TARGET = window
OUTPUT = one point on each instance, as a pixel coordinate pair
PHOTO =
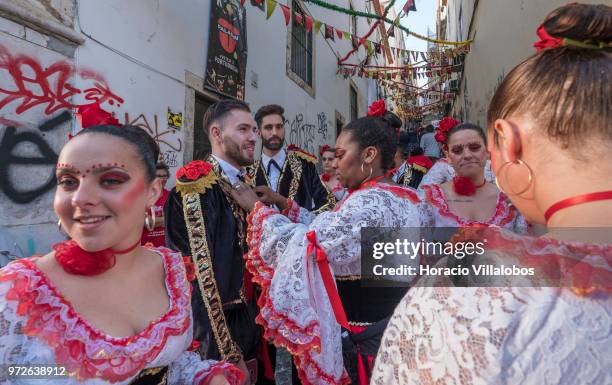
(301, 48)
(354, 108)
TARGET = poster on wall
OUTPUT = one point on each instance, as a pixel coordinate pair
(227, 48)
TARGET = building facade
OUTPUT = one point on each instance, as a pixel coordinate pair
(503, 33)
(145, 61)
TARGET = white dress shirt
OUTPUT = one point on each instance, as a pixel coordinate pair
(232, 172)
(275, 173)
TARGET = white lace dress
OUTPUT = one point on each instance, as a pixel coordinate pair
(503, 335)
(435, 212)
(39, 327)
(442, 171)
(295, 310)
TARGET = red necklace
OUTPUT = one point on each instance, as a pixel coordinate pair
(464, 186)
(75, 260)
(577, 200)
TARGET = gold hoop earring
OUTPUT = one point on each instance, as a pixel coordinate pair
(150, 219)
(530, 178)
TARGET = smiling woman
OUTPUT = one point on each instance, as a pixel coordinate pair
(102, 306)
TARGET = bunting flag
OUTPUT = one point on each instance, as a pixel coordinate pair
(378, 48)
(339, 33)
(347, 36)
(317, 26)
(270, 7)
(308, 23)
(391, 31)
(258, 3)
(298, 18)
(287, 13)
(329, 32)
(423, 56)
(415, 55)
(409, 6)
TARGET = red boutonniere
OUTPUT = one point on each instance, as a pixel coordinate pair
(194, 170)
(326, 177)
(377, 108)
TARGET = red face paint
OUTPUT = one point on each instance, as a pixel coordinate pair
(135, 192)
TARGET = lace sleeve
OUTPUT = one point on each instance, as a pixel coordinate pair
(188, 368)
(295, 309)
(438, 174)
(521, 226)
(426, 214)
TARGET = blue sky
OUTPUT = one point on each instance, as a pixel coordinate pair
(418, 22)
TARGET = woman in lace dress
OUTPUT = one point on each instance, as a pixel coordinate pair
(467, 198)
(541, 118)
(101, 307)
(291, 251)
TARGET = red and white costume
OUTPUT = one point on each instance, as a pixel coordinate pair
(39, 326)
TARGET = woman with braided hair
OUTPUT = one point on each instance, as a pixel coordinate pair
(304, 306)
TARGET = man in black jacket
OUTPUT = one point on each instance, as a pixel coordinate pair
(203, 221)
(292, 172)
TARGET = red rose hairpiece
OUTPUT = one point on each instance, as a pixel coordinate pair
(377, 108)
(445, 126)
(546, 41)
(92, 115)
(324, 148)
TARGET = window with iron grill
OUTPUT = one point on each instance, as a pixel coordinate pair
(301, 48)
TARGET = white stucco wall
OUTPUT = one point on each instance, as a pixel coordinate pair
(140, 53)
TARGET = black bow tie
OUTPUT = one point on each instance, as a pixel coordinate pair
(271, 163)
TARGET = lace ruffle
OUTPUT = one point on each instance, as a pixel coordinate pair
(504, 211)
(80, 347)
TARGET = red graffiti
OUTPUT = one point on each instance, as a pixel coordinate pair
(32, 85)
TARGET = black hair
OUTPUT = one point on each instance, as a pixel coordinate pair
(162, 166)
(270, 109)
(138, 138)
(429, 128)
(467, 126)
(219, 111)
(417, 151)
(379, 132)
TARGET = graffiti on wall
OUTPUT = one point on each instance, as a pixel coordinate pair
(308, 136)
(27, 84)
(32, 85)
(9, 157)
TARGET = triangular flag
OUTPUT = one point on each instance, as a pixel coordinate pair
(339, 33)
(409, 6)
(286, 12)
(270, 7)
(378, 47)
(370, 47)
(308, 23)
(423, 56)
(317, 26)
(347, 36)
(298, 19)
(329, 32)
(415, 56)
(391, 32)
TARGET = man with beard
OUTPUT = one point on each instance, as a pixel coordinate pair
(203, 221)
(291, 173)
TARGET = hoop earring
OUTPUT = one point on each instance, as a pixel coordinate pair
(150, 219)
(530, 178)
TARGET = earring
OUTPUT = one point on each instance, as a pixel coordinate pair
(150, 219)
(529, 178)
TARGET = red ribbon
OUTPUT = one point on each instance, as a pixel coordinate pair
(328, 279)
(577, 200)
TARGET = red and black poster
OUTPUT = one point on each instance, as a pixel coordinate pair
(227, 48)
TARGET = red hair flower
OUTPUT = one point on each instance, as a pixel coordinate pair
(324, 148)
(445, 126)
(194, 170)
(92, 115)
(546, 41)
(377, 108)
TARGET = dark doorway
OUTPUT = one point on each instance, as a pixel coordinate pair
(201, 144)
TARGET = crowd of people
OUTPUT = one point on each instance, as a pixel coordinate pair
(201, 284)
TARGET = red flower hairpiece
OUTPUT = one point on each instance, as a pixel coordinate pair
(324, 148)
(92, 115)
(546, 40)
(377, 108)
(445, 126)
